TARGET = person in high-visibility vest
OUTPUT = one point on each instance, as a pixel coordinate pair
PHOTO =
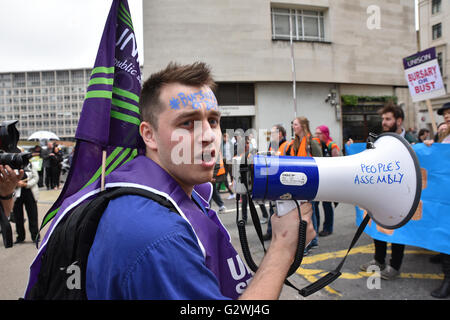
(329, 149)
(278, 138)
(219, 174)
(303, 145)
(229, 151)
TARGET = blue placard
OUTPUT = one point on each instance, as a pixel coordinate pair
(430, 226)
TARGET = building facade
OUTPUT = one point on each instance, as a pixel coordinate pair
(434, 31)
(44, 100)
(348, 57)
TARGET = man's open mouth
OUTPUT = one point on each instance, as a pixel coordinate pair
(208, 156)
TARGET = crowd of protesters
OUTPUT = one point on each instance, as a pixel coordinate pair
(320, 144)
(45, 171)
(49, 163)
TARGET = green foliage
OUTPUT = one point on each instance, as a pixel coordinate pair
(352, 100)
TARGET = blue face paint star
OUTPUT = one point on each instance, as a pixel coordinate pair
(174, 104)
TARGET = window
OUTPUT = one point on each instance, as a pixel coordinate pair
(436, 6)
(33, 79)
(5, 80)
(440, 62)
(235, 94)
(48, 78)
(306, 24)
(63, 77)
(437, 31)
(78, 76)
(18, 80)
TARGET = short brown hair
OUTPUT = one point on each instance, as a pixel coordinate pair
(197, 74)
(391, 107)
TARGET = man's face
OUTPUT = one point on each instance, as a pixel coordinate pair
(389, 123)
(275, 135)
(187, 141)
(446, 115)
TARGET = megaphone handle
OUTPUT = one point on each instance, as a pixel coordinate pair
(300, 248)
(244, 244)
(243, 234)
(333, 275)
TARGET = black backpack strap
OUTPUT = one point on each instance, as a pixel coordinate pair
(71, 243)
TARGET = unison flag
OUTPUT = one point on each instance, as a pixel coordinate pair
(429, 228)
(110, 116)
(109, 120)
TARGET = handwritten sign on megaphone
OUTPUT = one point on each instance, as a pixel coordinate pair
(385, 180)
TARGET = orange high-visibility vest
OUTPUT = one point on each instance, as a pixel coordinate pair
(333, 145)
(221, 168)
(330, 145)
(282, 149)
(302, 150)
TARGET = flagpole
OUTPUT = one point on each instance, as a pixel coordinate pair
(102, 186)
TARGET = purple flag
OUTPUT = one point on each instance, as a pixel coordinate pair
(109, 120)
(110, 116)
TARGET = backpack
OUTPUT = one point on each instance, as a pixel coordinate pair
(69, 245)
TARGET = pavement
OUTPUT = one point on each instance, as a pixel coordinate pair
(417, 279)
(15, 261)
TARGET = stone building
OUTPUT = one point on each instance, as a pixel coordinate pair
(434, 31)
(348, 57)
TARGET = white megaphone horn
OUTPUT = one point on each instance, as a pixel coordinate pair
(385, 179)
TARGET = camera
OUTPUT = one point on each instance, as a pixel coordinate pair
(9, 153)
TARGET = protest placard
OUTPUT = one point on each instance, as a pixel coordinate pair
(423, 75)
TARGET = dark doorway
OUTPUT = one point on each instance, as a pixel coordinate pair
(358, 121)
(234, 123)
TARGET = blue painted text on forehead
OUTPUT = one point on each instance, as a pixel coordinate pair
(197, 100)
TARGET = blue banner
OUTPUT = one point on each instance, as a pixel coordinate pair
(430, 226)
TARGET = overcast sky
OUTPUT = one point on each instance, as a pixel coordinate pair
(56, 34)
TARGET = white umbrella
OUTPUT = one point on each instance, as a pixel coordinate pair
(43, 135)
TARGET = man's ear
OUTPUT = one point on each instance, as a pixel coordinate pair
(148, 135)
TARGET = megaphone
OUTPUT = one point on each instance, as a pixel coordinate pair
(385, 179)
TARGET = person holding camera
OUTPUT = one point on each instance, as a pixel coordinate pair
(8, 183)
(29, 193)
